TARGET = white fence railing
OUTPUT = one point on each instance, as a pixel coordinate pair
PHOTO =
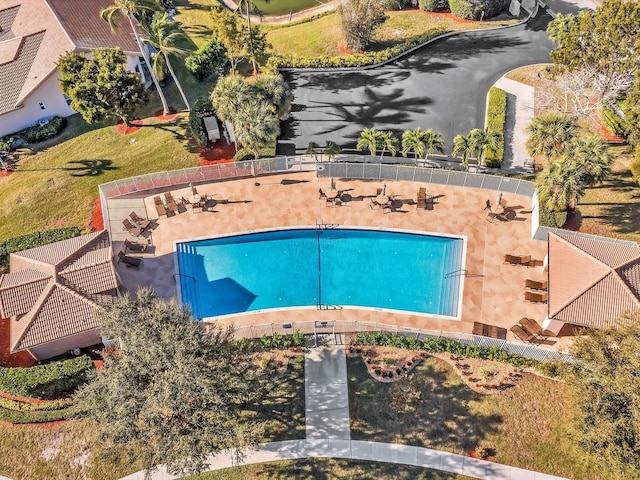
(344, 326)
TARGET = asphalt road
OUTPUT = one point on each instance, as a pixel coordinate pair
(442, 86)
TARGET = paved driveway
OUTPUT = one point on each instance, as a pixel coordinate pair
(441, 86)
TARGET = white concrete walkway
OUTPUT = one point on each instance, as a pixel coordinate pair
(326, 392)
(518, 117)
(372, 451)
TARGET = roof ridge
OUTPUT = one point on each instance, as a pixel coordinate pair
(88, 242)
(29, 317)
(15, 285)
(86, 265)
(62, 25)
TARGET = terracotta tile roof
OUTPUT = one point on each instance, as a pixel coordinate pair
(34, 34)
(82, 22)
(19, 299)
(48, 307)
(63, 313)
(585, 287)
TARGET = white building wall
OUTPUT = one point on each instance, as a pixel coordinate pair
(58, 347)
(49, 95)
(52, 99)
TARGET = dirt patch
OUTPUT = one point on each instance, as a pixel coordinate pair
(273, 364)
(219, 152)
(124, 129)
(97, 222)
(168, 117)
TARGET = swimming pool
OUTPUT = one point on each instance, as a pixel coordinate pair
(309, 267)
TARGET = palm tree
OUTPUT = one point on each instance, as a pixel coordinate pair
(433, 141)
(163, 35)
(256, 126)
(561, 184)
(114, 14)
(273, 88)
(463, 144)
(549, 134)
(313, 149)
(484, 141)
(229, 96)
(248, 6)
(413, 140)
(369, 138)
(592, 152)
(388, 142)
(332, 149)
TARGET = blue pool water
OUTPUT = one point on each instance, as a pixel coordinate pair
(308, 267)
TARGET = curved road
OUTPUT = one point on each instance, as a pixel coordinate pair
(441, 86)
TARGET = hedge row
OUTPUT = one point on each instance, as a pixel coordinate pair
(14, 416)
(31, 240)
(49, 405)
(46, 381)
(276, 340)
(496, 113)
(38, 133)
(436, 345)
(201, 108)
(612, 121)
(355, 60)
(476, 10)
(635, 166)
(246, 154)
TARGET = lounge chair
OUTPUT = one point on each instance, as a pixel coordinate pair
(536, 297)
(519, 332)
(135, 247)
(497, 332)
(480, 329)
(421, 204)
(535, 263)
(536, 284)
(160, 208)
(141, 222)
(135, 231)
(129, 261)
(517, 259)
(171, 203)
(531, 326)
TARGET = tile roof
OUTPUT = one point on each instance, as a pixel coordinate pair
(46, 307)
(82, 22)
(592, 281)
(34, 34)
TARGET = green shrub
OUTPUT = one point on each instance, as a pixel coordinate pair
(635, 166)
(612, 121)
(551, 219)
(46, 381)
(42, 416)
(393, 4)
(49, 405)
(355, 60)
(201, 108)
(436, 345)
(433, 5)
(276, 340)
(554, 368)
(38, 133)
(473, 9)
(496, 113)
(205, 61)
(31, 240)
(245, 154)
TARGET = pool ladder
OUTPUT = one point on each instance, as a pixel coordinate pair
(322, 306)
(462, 273)
(320, 225)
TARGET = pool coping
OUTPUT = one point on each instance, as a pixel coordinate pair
(458, 317)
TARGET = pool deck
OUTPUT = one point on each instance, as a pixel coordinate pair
(493, 290)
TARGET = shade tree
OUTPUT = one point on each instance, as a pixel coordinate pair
(359, 20)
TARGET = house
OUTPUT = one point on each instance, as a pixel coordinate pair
(52, 294)
(34, 34)
(592, 281)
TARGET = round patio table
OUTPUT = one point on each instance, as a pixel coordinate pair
(382, 199)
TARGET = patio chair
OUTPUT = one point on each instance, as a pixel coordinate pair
(322, 194)
(133, 230)
(480, 329)
(517, 259)
(520, 334)
(135, 247)
(160, 208)
(129, 261)
(373, 204)
(535, 263)
(536, 297)
(388, 207)
(497, 332)
(531, 326)
(141, 222)
(171, 203)
(536, 284)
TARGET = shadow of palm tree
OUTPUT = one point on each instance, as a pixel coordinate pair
(90, 168)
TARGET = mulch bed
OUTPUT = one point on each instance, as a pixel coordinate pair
(219, 152)
(344, 50)
(97, 222)
(611, 137)
(5, 173)
(7, 359)
(123, 129)
(166, 118)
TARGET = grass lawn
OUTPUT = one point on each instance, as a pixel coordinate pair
(284, 7)
(326, 468)
(323, 35)
(63, 451)
(527, 426)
